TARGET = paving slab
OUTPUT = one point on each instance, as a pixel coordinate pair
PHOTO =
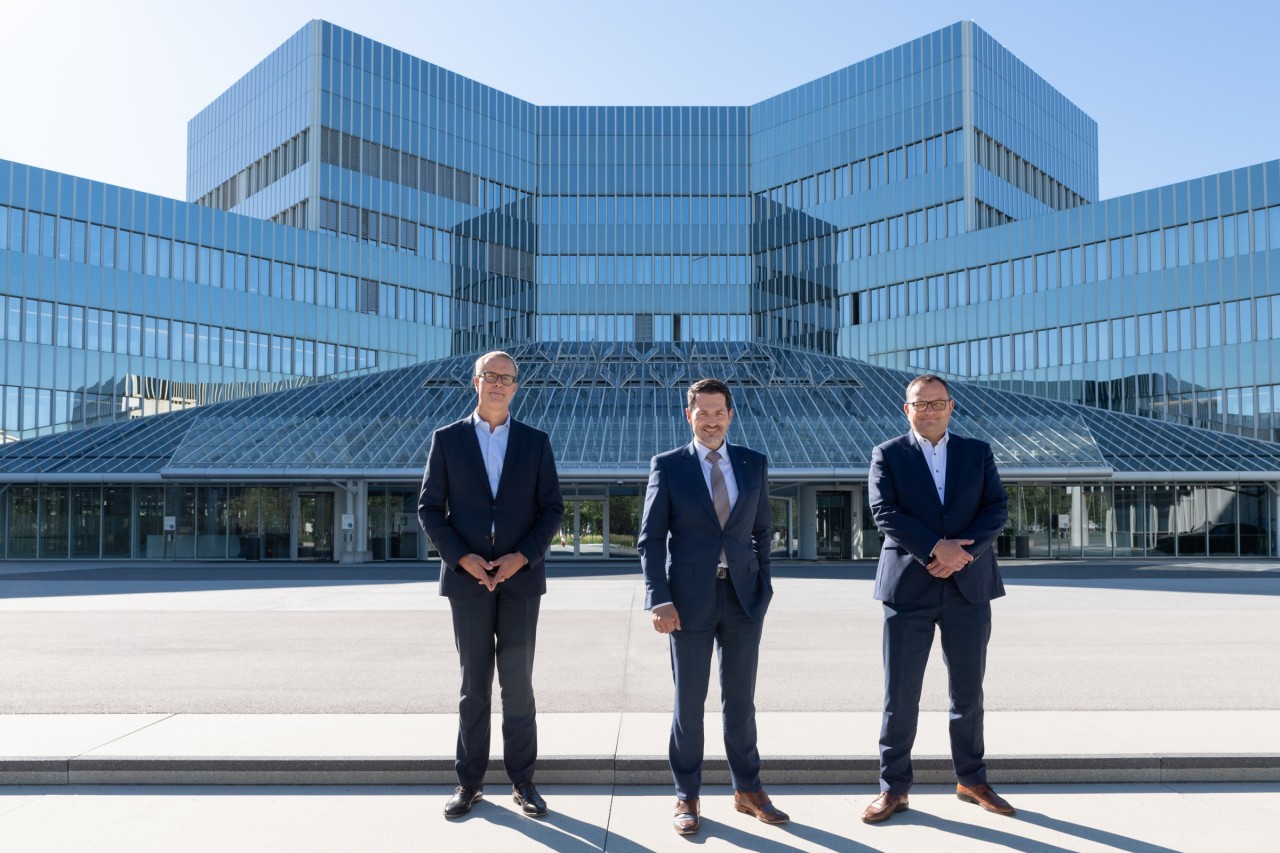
(1050, 819)
(67, 735)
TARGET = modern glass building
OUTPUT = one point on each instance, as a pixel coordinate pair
(354, 211)
(273, 475)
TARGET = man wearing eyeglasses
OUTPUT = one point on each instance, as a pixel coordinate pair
(938, 500)
(490, 502)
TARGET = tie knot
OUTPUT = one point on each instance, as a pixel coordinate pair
(713, 457)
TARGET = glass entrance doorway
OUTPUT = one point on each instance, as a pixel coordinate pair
(599, 523)
(315, 526)
(582, 532)
(835, 526)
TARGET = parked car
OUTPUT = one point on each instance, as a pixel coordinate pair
(1221, 539)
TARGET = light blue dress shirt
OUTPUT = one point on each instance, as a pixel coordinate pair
(493, 447)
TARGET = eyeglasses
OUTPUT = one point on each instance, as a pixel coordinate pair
(924, 405)
(497, 378)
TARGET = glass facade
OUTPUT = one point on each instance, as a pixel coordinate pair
(273, 476)
(116, 304)
(353, 210)
(1164, 304)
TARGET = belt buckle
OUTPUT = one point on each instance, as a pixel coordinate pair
(722, 572)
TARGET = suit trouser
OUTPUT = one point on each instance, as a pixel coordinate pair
(737, 636)
(908, 636)
(503, 629)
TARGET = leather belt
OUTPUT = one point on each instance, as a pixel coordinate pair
(722, 572)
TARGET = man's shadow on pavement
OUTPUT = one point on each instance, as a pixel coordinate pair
(1089, 833)
(565, 834)
(739, 839)
(557, 831)
(1013, 841)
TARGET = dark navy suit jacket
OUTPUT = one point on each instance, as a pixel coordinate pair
(681, 540)
(458, 510)
(906, 509)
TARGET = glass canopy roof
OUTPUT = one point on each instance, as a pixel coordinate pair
(609, 407)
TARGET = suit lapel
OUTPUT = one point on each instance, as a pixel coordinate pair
(741, 475)
(475, 457)
(954, 450)
(514, 438)
(697, 483)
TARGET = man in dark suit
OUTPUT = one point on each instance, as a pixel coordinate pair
(938, 500)
(704, 548)
(491, 502)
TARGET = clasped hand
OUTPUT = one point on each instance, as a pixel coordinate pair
(949, 557)
(490, 573)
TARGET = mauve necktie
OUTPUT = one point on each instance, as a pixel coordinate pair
(719, 491)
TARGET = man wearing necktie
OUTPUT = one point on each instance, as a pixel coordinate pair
(704, 549)
(938, 500)
(490, 503)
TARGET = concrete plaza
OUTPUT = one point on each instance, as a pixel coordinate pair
(1133, 706)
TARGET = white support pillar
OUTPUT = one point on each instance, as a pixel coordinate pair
(1079, 518)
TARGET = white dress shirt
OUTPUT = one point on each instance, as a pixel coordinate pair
(935, 456)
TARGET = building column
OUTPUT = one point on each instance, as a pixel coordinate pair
(357, 505)
(604, 524)
(295, 519)
(1275, 529)
(1079, 518)
(808, 520)
(857, 495)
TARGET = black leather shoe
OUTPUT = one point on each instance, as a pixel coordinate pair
(528, 799)
(464, 797)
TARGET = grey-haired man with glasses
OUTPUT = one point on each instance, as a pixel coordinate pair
(938, 500)
(490, 503)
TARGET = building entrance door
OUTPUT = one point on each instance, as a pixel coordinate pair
(583, 530)
(835, 527)
(315, 526)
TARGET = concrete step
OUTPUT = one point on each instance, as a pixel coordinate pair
(800, 748)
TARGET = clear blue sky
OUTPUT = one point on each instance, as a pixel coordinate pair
(104, 89)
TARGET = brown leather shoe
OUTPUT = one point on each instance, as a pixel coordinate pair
(884, 807)
(686, 820)
(985, 797)
(757, 803)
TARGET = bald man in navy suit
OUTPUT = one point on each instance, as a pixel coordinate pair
(704, 547)
(938, 500)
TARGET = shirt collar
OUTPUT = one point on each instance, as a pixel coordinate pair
(703, 450)
(477, 421)
(923, 442)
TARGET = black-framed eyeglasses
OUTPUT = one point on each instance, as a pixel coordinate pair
(924, 405)
(497, 378)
